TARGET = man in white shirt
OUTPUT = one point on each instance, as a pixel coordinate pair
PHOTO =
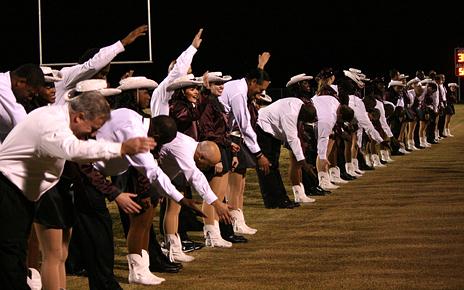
(180, 155)
(278, 123)
(32, 158)
(235, 98)
(16, 88)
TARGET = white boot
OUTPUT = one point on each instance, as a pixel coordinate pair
(356, 166)
(324, 181)
(174, 245)
(139, 272)
(368, 159)
(300, 195)
(403, 149)
(389, 158)
(448, 133)
(35, 281)
(213, 237)
(349, 167)
(424, 143)
(239, 225)
(376, 161)
(334, 173)
(411, 145)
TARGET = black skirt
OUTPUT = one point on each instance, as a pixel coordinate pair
(55, 209)
(245, 157)
(226, 159)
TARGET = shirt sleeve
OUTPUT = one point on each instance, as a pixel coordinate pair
(159, 103)
(365, 123)
(290, 129)
(383, 120)
(74, 74)
(15, 111)
(323, 132)
(242, 117)
(195, 177)
(99, 181)
(64, 144)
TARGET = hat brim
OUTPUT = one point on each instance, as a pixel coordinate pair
(138, 84)
(216, 79)
(183, 84)
(299, 79)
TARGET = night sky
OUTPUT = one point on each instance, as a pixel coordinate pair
(302, 38)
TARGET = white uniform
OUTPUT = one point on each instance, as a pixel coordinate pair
(235, 98)
(280, 119)
(326, 107)
(177, 157)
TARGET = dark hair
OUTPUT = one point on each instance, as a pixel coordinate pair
(32, 73)
(163, 128)
(346, 113)
(307, 113)
(259, 74)
(93, 104)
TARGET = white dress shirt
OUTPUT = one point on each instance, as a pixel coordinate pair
(11, 112)
(383, 119)
(74, 74)
(125, 124)
(177, 157)
(159, 103)
(33, 154)
(364, 122)
(326, 108)
(280, 120)
(234, 98)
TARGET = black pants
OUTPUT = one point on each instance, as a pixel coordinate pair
(92, 239)
(271, 185)
(16, 216)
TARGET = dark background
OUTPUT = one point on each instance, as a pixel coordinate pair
(373, 37)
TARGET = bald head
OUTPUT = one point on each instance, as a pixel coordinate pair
(207, 154)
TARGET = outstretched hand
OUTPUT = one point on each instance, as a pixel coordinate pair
(133, 35)
(263, 59)
(197, 40)
(137, 145)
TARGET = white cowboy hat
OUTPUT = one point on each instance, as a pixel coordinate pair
(354, 76)
(298, 78)
(218, 77)
(184, 81)
(413, 81)
(355, 70)
(453, 85)
(265, 97)
(132, 83)
(403, 76)
(96, 85)
(426, 81)
(395, 83)
(51, 75)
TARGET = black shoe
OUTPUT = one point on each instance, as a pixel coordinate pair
(318, 191)
(367, 167)
(397, 153)
(346, 176)
(189, 246)
(286, 204)
(79, 272)
(235, 239)
(161, 265)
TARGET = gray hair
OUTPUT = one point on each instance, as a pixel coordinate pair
(93, 104)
